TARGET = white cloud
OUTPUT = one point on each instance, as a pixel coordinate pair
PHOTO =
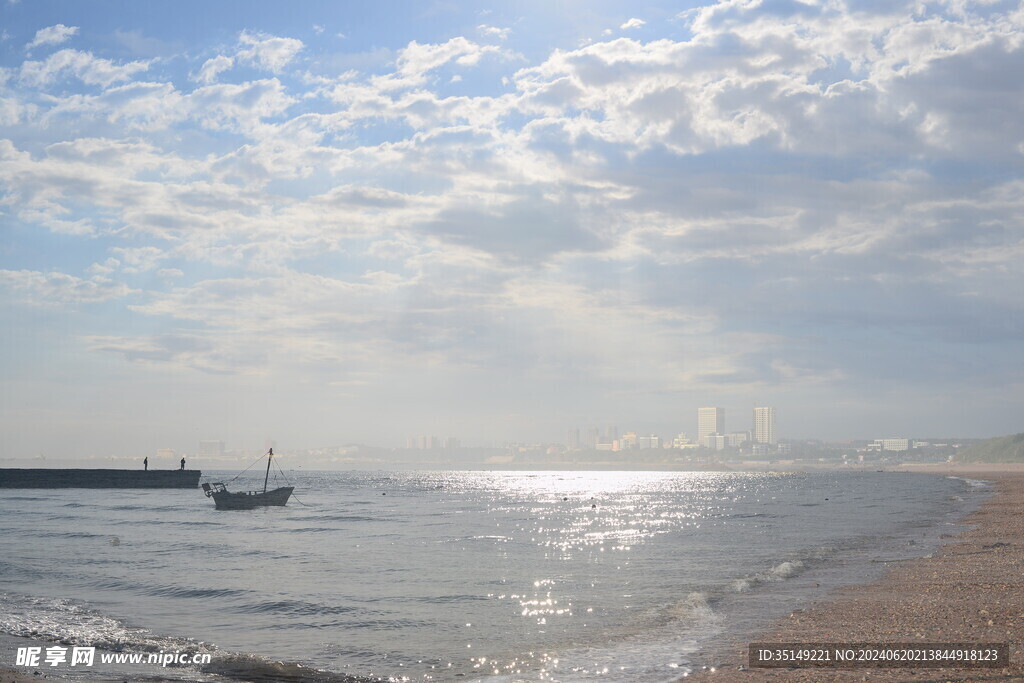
(791, 82)
(143, 106)
(239, 106)
(54, 288)
(10, 111)
(103, 269)
(139, 259)
(82, 65)
(633, 23)
(51, 216)
(185, 350)
(268, 52)
(138, 105)
(500, 33)
(212, 67)
(415, 61)
(170, 273)
(52, 35)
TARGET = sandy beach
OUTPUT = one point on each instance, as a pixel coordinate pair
(970, 591)
(22, 675)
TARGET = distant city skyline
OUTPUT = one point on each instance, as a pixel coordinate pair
(360, 223)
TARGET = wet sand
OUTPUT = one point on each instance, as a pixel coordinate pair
(22, 675)
(970, 591)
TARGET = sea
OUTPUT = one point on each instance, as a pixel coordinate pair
(445, 576)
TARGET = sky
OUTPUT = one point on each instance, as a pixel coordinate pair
(330, 223)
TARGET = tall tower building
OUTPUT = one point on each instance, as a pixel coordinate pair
(709, 421)
(764, 425)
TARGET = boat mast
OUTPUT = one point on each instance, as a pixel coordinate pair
(269, 456)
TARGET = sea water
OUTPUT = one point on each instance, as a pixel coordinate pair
(565, 576)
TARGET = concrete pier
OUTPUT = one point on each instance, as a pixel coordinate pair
(98, 479)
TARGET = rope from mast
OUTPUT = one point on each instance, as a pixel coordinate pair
(250, 466)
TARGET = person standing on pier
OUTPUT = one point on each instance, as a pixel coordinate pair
(145, 463)
(183, 463)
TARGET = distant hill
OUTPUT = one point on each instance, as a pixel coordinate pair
(1000, 449)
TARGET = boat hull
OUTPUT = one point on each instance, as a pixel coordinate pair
(225, 500)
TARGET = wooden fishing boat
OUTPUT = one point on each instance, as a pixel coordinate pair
(248, 500)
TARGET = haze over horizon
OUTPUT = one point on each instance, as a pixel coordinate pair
(357, 223)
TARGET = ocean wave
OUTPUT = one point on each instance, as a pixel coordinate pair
(164, 590)
(295, 607)
(786, 570)
(244, 667)
(973, 483)
(342, 518)
(62, 621)
(68, 534)
(779, 572)
(694, 607)
(171, 522)
(449, 599)
(186, 592)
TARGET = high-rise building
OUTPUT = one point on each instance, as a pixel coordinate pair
(574, 438)
(611, 433)
(648, 442)
(427, 442)
(709, 421)
(764, 425)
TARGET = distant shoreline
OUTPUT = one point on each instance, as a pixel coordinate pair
(970, 591)
(978, 468)
(600, 466)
